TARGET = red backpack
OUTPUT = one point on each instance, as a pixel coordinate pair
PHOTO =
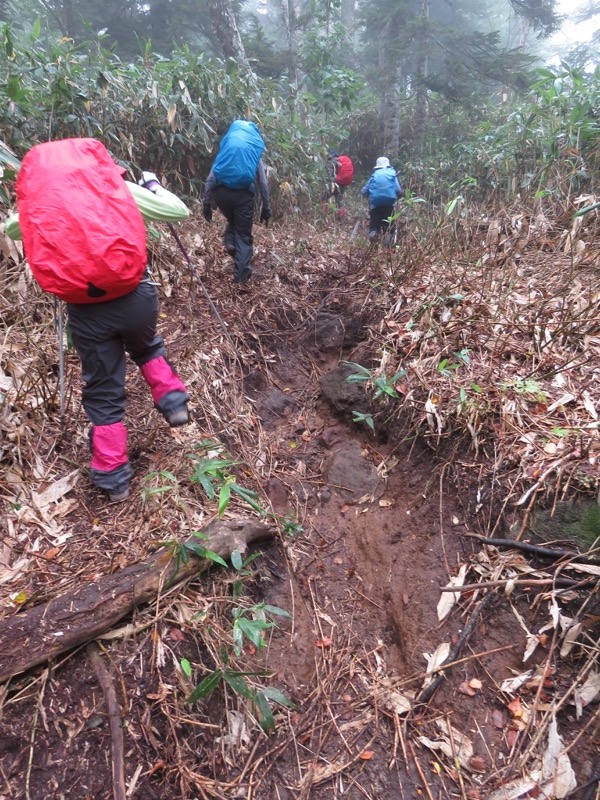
(84, 236)
(345, 171)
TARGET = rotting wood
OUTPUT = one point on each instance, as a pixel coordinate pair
(43, 632)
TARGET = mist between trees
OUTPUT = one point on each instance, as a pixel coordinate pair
(456, 95)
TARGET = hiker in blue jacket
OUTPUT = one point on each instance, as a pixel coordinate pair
(383, 189)
(231, 187)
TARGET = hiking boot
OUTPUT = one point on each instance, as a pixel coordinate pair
(119, 494)
(178, 416)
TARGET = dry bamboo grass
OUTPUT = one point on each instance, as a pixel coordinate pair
(501, 343)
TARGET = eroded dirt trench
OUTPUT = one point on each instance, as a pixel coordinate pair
(381, 533)
(362, 581)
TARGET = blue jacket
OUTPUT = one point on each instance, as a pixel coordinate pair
(383, 187)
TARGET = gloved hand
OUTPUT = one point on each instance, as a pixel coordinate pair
(149, 181)
(265, 215)
(207, 212)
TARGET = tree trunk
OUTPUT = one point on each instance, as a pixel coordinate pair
(391, 88)
(227, 33)
(421, 71)
(348, 16)
(45, 631)
(291, 30)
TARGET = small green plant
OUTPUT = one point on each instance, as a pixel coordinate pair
(260, 697)
(249, 624)
(410, 199)
(151, 490)
(252, 624)
(290, 526)
(457, 202)
(448, 368)
(181, 551)
(527, 386)
(562, 433)
(382, 384)
(358, 416)
(240, 565)
(212, 471)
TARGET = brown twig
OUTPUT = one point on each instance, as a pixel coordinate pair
(420, 771)
(430, 690)
(114, 719)
(471, 587)
(527, 547)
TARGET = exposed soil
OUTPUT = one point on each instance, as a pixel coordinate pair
(382, 532)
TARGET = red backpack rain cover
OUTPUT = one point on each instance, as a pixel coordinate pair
(84, 236)
(345, 171)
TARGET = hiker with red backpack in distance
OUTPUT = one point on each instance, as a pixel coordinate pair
(342, 173)
(84, 236)
(383, 189)
(231, 186)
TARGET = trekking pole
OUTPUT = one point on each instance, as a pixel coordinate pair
(194, 272)
(58, 318)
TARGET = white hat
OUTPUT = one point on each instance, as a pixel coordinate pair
(382, 162)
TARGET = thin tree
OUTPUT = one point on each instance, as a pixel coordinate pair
(227, 33)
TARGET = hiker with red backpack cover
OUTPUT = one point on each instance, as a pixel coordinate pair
(84, 236)
(342, 173)
(231, 185)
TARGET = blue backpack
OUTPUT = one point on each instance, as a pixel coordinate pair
(382, 187)
(239, 153)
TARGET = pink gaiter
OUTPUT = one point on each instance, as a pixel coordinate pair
(161, 378)
(109, 446)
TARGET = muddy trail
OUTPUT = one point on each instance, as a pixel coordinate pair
(368, 529)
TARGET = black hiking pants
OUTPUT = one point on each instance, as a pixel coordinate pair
(378, 220)
(102, 332)
(237, 206)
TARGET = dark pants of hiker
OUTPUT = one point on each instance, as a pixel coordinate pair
(102, 334)
(339, 193)
(378, 220)
(237, 206)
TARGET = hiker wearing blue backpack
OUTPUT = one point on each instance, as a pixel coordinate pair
(383, 189)
(231, 186)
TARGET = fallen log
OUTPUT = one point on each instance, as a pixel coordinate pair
(43, 632)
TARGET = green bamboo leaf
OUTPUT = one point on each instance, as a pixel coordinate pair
(186, 667)
(249, 496)
(266, 720)
(359, 368)
(204, 481)
(202, 552)
(278, 611)
(274, 694)
(238, 684)
(224, 498)
(253, 630)
(206, 686)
